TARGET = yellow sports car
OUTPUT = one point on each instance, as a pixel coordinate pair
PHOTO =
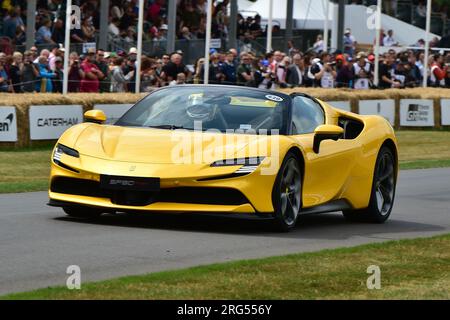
(227, 149)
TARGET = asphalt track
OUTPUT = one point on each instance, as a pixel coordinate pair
(38, 243)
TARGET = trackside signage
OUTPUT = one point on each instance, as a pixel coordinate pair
(49, 122)
(384, 108)
(113, 111)
(445, 112)
(416, 113)
(8, 124)
(343, 105)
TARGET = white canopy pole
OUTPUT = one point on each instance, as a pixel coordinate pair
(427, 45)
(207, 42)
(325, 25)
(140, 28)
(269, 27)
(376, 79)
(67, 46)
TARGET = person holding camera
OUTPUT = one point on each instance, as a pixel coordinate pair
(324, 71)
(30, 72)
(75, 73)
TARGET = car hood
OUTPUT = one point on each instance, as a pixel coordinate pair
(148, 145)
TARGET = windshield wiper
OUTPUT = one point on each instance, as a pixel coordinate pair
(167, 126)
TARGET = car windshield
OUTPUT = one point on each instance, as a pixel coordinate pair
(206, 108)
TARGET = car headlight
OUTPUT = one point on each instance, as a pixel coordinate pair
(248, 165)
(62, 149)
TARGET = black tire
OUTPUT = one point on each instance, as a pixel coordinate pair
(287, 194)
(82, 212)
(383, 191)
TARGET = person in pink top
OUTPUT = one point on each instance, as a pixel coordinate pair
(93, 75)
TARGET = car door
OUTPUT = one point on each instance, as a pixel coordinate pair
(327, 172)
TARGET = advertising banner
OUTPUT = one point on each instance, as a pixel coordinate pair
(445, 112)
(8, 124)
(416, 113)
(49, 122)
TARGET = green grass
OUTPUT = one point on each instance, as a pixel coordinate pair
(410, 269)
(27, 169)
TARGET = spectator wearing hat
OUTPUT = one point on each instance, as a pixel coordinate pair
(162, 33)
(59, 75)
(344, 76)
(92, 74)
(361, 70)
(349, 42)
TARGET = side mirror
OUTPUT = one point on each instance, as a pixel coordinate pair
(326, 132)
(96, 116)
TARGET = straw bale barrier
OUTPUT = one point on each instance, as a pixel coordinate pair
(22, 102)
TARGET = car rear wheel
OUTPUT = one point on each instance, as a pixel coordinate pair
(383, 191)
(82, 212)
(287, 193)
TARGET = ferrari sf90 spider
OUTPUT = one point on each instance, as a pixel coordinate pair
(226, 149)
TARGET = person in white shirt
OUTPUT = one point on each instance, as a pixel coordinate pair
(389, 40)
(318, 45)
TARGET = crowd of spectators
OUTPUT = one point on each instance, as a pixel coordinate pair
(122, 21)
(98, 70)
(101, 71)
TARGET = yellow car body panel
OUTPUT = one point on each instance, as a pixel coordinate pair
(343, 169)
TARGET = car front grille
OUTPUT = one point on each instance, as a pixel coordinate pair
(192, 195)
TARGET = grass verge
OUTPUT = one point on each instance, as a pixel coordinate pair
(26, 170)
(410, 269)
